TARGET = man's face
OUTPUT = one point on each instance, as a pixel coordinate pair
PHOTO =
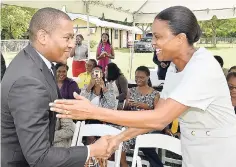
(60, 41)
(78, 40)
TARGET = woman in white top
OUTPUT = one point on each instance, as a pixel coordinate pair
(195, 90)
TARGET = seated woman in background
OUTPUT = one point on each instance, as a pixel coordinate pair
(64, 128)
(98, 93)
(144, 97)
(66, 85)
(231, 79)
(84, 78)
(114, 75)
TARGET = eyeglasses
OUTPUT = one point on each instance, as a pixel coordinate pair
(232, 87)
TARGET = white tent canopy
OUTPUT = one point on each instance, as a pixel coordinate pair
(138, 11)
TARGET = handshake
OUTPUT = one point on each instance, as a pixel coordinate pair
(104, 147)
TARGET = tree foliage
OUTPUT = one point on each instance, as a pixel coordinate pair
(15, 21)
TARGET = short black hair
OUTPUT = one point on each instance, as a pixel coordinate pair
(181, 20)
(220, 60)
(113, 72)
(232, 68)
(61, 64)
(230, 75)
(46, 19)
(94, 62)
(146, 71)
(81, 36)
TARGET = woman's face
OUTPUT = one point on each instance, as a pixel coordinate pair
(232, 86)
(89, 66)
(104, 38)
(164, 42)
(141, 78)
(61, 73)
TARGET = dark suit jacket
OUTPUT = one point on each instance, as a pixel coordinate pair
(161, 71)
(27, 124)
(3, 66)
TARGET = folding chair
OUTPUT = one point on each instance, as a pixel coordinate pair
(100, 130)
(76, 133)
(158, 141)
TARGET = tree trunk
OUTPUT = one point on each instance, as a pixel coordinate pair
(214, 38)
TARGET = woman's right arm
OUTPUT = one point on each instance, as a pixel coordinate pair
(98, 56)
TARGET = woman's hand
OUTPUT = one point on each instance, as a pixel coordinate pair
(139, 105)
(103, 54)
(100, 82)
(79, 109)
(91, 84)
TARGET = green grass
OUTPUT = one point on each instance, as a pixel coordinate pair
(122, 59)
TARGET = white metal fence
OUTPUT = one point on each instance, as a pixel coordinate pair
(17, 45)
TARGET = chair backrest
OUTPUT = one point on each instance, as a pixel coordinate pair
(96, 130)
(157, 141)
(76, 133)
(100, 130)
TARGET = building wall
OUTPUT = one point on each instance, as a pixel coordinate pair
(118, 38)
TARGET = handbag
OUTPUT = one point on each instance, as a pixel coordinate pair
(96, 162)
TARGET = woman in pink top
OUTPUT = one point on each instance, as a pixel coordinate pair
(105, 51)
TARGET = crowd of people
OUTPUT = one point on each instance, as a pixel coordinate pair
(33, 136)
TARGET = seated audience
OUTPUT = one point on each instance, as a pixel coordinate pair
(144, 97)
(231, 79)
(97, 91)
(64, 128)
(114, 75)
(84, 78)
(232, 69)
(221, 62)
(64, 131)
(66, 85)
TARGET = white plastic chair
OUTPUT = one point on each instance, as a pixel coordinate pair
(101, 130)
(157, 141)
(76, 133)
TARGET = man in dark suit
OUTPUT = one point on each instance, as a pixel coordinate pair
(3, 66)
(28, 86)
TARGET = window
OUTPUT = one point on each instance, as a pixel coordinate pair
(116, 34)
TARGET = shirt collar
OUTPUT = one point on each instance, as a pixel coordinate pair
(46, 61)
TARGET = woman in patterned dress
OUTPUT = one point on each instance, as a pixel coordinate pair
(144, 97)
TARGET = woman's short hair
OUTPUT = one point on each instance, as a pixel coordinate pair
(81, 36)
(230, 75)
(61, 64)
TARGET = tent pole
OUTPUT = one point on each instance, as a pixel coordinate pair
(88, 29)
(132, 51)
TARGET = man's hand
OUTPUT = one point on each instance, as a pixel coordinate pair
(99, 148)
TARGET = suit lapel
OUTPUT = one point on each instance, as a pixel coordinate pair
(43, 67)
(50, 80)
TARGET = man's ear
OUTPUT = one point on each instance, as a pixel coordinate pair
(41, 36)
